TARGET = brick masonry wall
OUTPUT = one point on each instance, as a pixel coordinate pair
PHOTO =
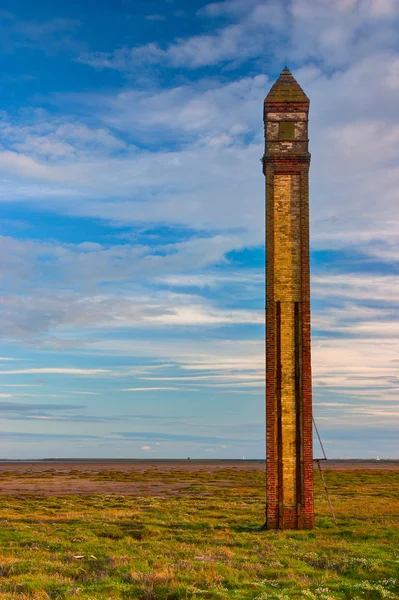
(289, 465)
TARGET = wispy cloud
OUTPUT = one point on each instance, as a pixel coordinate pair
(174, 437)
(54, 371)
(152, 389)
(25, 436)
(51, 36)
(334, 33)
(22, 407)
(371, 287)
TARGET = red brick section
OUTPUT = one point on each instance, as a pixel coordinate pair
(286, 96)
(308, 503)
(271, 416)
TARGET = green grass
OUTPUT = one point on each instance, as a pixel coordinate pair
(202, 542)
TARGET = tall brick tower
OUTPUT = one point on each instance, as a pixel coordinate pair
(289, 460)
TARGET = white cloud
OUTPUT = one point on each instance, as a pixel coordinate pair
(196, 315)
(26, 167)
(358, 287)
(250, 36)
(153, 389)
(58, 140)
(54, 370)
(228, 8)
(242, 278)
(87, 269)
(194, 52)
(95, 263)
(335, 33)
(190, 186)
(205, 109)
(58, 314)
(230, 376)
(52, 36)
(85, 393)
(198, 178)
(206, 354)
(355, 362)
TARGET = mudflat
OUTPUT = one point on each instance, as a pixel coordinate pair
(126, 477)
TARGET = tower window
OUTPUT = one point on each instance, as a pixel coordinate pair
(286, 130)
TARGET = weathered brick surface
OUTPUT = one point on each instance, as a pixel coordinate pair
(289, 463)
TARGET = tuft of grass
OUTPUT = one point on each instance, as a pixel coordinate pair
(203, 541)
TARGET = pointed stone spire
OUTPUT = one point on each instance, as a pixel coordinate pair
(286, 89)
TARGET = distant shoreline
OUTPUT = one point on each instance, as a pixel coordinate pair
(194, 460)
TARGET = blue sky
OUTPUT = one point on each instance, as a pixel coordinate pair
(132, 223)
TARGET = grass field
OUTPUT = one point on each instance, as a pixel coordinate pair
(201, 542)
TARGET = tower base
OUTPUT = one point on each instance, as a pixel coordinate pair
(289, 517)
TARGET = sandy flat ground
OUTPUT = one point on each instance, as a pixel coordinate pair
(63, 477)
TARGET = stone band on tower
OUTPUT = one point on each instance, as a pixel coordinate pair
(289, 451)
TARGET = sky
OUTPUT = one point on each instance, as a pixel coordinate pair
(132, 224)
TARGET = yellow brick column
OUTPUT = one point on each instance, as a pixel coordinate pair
(287, 291)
